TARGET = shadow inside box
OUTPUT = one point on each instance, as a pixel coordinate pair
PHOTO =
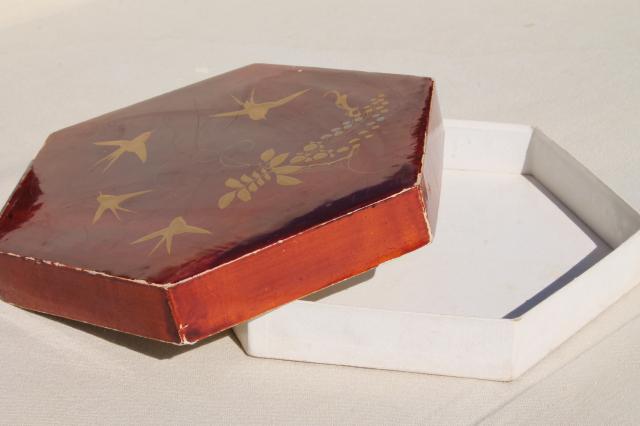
(546, 290)
(152, 348)
(600, 251)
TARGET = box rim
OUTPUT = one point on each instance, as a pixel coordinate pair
(633, 239)
(519, 328)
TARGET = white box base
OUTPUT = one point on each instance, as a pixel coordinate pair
(530, 246)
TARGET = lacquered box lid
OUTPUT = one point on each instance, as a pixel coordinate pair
(185, 214)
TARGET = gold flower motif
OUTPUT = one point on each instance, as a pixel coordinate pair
(318, 153)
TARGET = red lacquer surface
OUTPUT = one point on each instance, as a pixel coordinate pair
(209, 175)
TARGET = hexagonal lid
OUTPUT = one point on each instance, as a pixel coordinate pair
(228, 197)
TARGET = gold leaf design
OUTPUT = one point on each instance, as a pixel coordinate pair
(267, 155)
(226, 199)
(286, 170)
(244, 195)
(234, 183)
(258, 178)
(273, 165)
(320, 156)
(279, 159)
(321, 152)
(287, 180)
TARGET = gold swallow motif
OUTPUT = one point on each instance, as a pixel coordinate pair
(342, 103)
(112, 203)
(258, 111)
(340, 144)
(177, 226)
(136, 146)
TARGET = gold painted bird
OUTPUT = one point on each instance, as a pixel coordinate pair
(112, 202)
(177, 226)
(136, 146)
(258, 111)
(342, 103)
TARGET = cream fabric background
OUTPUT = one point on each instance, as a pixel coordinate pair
(569, 67)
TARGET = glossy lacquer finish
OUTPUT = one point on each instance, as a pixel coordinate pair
(169, 188)
(192, 184)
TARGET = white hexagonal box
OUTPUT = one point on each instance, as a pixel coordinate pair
(530, 247)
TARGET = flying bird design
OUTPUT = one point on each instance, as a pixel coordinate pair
(112, 202)
(258, 111)
(136, 146)
(177, 226)
(342, 103)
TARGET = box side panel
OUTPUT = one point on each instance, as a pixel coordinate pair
(300, 265)
(486, 147)
(579, 189)
(552, 322)
(433, 162)
(78, 295)
(404, 341)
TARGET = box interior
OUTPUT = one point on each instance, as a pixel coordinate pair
(494, 255)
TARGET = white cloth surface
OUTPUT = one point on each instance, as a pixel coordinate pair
(569, 67)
